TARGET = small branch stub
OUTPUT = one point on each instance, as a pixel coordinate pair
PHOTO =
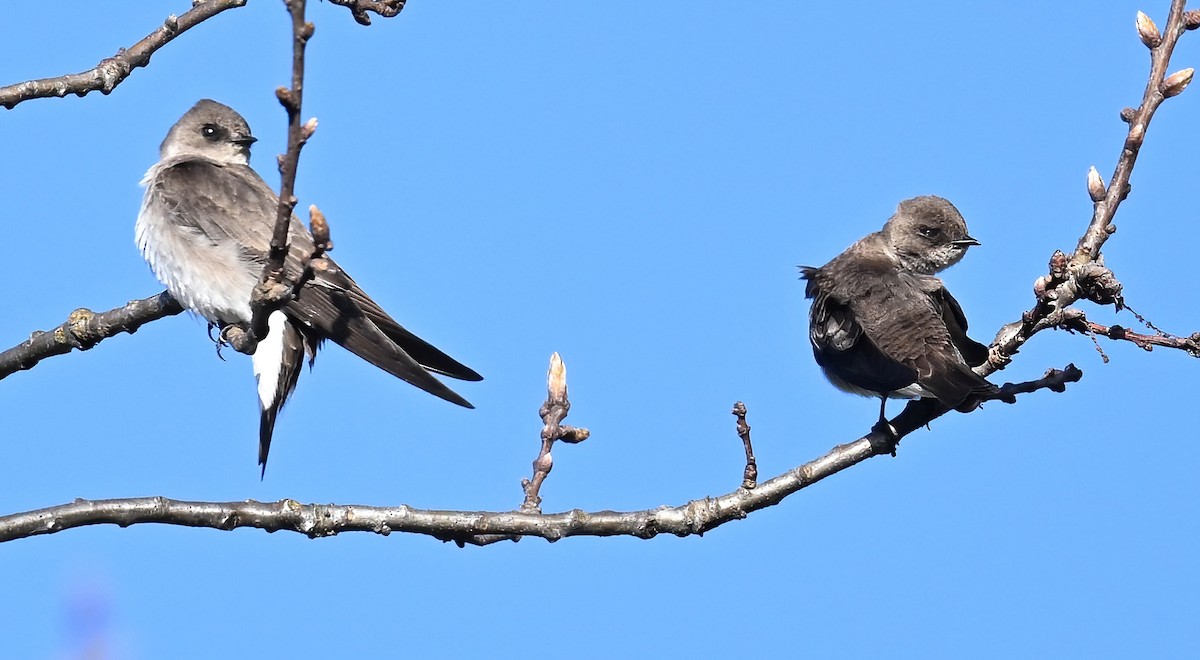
(750, 473)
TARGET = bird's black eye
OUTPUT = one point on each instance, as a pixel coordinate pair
(212, 132)
(928, 232)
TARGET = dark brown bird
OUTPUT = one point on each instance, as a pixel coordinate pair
(882, 325)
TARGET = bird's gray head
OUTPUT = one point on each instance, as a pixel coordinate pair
(928, 234)
(210, 130)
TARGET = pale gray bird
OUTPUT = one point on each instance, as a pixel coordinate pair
(882, 325)
(205, 229)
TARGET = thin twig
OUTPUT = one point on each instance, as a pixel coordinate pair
(359, 8)
(1191, 343)
(1054, 380)
(273, 290)
(84, 329)
(750, 473)
(112, 71)
(552, 412)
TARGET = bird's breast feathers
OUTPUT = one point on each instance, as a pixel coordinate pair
(212, 277)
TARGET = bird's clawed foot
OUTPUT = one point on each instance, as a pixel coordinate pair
(883, 438)
(238, 336)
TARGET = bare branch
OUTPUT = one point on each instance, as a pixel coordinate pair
(313, 520)
(1076, 321)
(112, 71)
(84, 329)
(359, 8)
(1083, 275)
(483, 527)
(1160, 58)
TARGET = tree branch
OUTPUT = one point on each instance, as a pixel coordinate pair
(1083, 275)
(112, 71)
(273, 288)
(479, 527)
(84, 329)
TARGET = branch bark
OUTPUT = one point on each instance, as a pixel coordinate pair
(113, 71)
(84, 329)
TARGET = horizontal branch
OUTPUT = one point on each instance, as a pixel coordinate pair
(318, 520)
(84, 329)
(112, 71)
(478, 527)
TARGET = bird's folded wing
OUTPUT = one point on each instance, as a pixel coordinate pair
(228, 202)
(973, 352)
(907, 323)
(840, 345)
(337, 316)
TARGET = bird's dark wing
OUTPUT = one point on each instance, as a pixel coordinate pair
(426, 354)
(903, 314)
(972, 351)
(230, 201)
(841, 347)
(330, 303)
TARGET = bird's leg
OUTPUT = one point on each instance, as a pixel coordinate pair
(883, 436)
(239, 336)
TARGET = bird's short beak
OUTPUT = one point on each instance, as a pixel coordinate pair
(964, 242)
(244, 140)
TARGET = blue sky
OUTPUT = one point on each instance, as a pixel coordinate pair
(631, 185)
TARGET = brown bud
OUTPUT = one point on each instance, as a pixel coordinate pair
(1177, 82)
(1148, 31)
(556, 379)
(319, 228)
(1058, 265)
(1095, 185)
(544, 463)
(1191, 19)
(1127, 114)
